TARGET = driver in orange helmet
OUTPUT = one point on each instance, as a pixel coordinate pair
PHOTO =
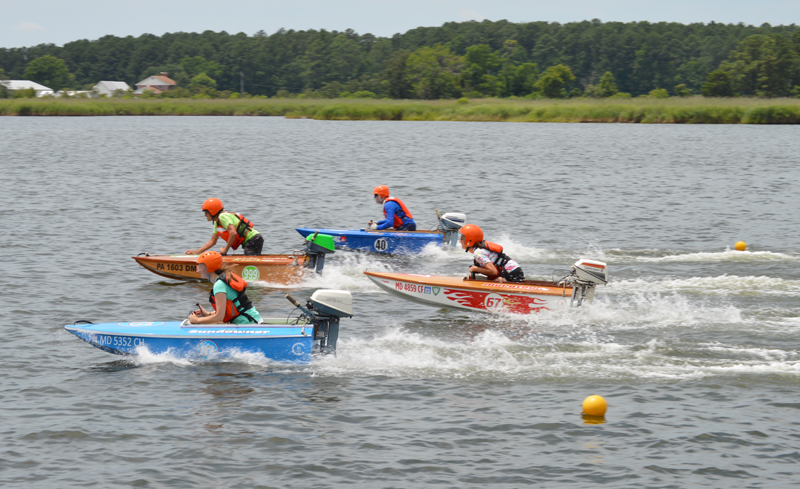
(234, 229)
(395, 211)
(231, 305)
(489, 257)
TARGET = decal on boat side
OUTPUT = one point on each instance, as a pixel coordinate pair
(436, 290)
(381, 244)
(411, 287)
(207, 349)
(297, 349)
(176, 267)
(225, 331)
(427, 289)
(140, 325)
(340, 239)
(119, 341)
(512, 286)
(250, 273)
(496, 302)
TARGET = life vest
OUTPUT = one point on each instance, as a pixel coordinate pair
(398, 219)
(244, 227)
(234, 308)
(500, 261)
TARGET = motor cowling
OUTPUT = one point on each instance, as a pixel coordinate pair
(591, 271)
(337, 303)
(316, 247)
(453, 220)
(449, 224)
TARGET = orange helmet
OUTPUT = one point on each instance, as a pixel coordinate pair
(382, 191)
(213, 206)
(472, 235)
(211, 259)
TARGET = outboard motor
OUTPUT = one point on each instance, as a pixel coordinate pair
(324, 308)
(449, 224)
(584, 276)
(317, 246)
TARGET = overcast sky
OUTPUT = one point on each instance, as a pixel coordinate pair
(59, 21)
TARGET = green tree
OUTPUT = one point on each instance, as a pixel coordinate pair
(766, 66)
(50, 71)
(198, 64)
(4, 91)
(202, 80)
(682, 91)
(553, 82)
(514, 52)
(433, 72)
(718, 84)
(478, 77)
(395, 79)
(658, 93)
(606, 87)
(519, 80)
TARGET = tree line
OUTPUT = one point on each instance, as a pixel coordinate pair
(467, 59)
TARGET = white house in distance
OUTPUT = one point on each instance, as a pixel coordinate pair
(109, 88)
(15, 85)
(156, 83)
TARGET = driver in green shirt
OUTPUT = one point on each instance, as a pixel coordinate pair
(235, 229)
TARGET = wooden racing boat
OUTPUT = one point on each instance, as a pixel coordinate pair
(489, 296)
(278, 269)
(294, 340)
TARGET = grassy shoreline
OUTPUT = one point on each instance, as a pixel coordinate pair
(694, 110)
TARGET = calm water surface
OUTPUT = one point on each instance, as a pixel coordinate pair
(694, 346)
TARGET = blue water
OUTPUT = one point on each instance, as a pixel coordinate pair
(693, 345)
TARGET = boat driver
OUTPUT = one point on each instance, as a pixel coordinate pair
(228, 297)
(397, 215)
(489, 257)
(235, 229)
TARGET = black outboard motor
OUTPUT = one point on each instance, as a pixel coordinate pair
(317, 246)
(324, 308)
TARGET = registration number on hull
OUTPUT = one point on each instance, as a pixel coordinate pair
(119, 341)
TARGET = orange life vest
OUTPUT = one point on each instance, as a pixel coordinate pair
(502, 258)
(398, 221)
(244, 227)
(232, 310)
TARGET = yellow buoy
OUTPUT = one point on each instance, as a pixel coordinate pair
(740, 246)
(594, 406)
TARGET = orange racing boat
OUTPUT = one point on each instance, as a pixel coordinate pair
(489, 296)
(277, 269)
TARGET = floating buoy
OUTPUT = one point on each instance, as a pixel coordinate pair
(594, 406)
(740, 246)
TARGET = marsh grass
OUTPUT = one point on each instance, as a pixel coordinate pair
(692, 110)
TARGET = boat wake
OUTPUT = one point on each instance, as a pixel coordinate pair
(727, 255)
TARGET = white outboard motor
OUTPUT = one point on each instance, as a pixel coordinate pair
(591, 271)
(337, 303)
(584, 276)
(325, 307)
(450, 223)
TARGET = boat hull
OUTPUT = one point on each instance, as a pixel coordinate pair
(278, 269)
(278, 340)
(474, 295)
(388, 242)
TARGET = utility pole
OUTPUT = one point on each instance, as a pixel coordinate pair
(241, 73)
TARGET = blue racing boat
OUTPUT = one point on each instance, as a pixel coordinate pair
(395, 242)
(294, 340)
